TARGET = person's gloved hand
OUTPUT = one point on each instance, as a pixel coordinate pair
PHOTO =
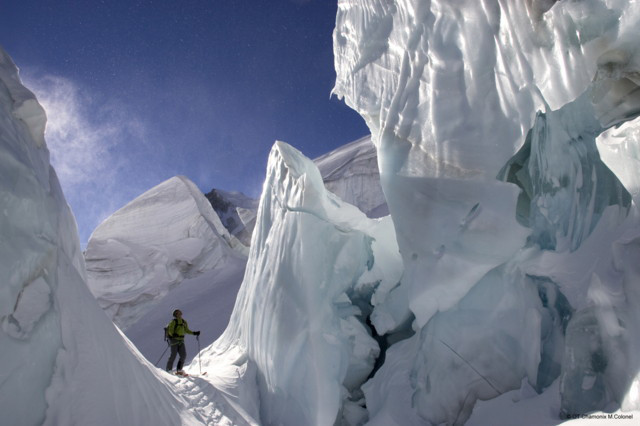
(196, 333)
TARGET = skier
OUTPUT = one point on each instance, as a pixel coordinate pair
(175, 331)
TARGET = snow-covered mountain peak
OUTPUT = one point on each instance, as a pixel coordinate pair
(139, 253)
(177, 191)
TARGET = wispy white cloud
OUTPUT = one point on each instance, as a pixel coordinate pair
(79, 135)
(89, 142)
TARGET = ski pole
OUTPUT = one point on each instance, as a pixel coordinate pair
(199, 356)
(165, 351)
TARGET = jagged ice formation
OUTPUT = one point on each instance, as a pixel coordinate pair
(507, 148)
(450, 92)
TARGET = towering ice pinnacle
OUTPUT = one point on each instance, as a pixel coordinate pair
(300, 314)
(526, 279)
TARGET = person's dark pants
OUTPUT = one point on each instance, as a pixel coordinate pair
(177, 347)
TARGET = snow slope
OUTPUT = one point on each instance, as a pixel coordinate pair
(64, 362)
(138, 254)
(206, 301)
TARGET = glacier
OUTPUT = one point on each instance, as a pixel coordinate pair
(486, 117)
(139, 273)
(350, 172)
(503, 283)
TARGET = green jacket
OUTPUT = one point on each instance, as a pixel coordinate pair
(177, 328)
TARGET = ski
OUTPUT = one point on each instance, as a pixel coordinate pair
(188, 375)
(197, 375)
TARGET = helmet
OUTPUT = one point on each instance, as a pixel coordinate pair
(175, 313)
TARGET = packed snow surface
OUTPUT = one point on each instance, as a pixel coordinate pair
(206, 301)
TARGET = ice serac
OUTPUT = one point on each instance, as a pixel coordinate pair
(58, 349)
(487, 118)
(351, 172)
(138, 254)
(301, 311)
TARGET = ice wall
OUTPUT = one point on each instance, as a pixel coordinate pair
(63, 361)
(301, 311)
(459, 96)
(146, 248)
(449, 89)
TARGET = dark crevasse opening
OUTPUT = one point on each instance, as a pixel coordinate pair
(362, 300)
(557, 313)
(385, 341)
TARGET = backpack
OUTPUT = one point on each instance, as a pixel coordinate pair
(166, 329)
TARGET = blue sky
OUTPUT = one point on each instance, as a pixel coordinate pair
(139, 91)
